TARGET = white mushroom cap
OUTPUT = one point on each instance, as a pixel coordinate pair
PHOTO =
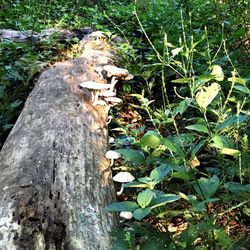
(107, 93)
(129, 77)
(113, 99)
(115, 71)
(123, 177)
(126, 215)
(111, 140)
(97, 34)
(95, 85)
(112, 155)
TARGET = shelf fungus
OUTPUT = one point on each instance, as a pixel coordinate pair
(123, 177)
(96, 89)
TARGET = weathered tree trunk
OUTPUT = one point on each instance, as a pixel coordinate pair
(35, 37)
(55, 179)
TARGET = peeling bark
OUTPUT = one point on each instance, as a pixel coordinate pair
(55, 179)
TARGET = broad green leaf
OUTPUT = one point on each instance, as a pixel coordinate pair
(159, 173)
(233, 121)
(144, 198)
(128, 206)
(198, 147)
(207, 187)
(217, 72)
(182, 106)
(207, 94)
(219, 141)
(238, 189)
(205, 78)
(198, 127)
(140, 213)
(164, 199)
(151, 139)
(223, 239)
(242, 89)
(131, 155)
(181, 175)
(169, 145)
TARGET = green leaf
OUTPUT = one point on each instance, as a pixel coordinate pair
(230, 151)
(169, 145)
(205, 78)
(128, 206)
(198, 127)
(162, 199)
(219, 141)
(159, 173)
(144, 198)
(198, 147)
(151, 139)
(182, 106)
(233, 121)
(137, 184)
(238, 189)
(140, 213)
(223, 239)
(135, 156)
(207, 187)
(181, 175)
(145, 179)
(242, 89)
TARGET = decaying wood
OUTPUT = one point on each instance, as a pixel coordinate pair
(55, 179)
(35, 37)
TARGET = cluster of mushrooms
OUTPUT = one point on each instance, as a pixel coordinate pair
(104, 94)
(122, 177)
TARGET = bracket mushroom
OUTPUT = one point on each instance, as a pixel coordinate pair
(95, 89)
(123, 177)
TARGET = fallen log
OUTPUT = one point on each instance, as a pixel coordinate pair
(55, 179)
(22, 36)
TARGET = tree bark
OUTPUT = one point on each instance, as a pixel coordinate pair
(55, 179)
(44, 35)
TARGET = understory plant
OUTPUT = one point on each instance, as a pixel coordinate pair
(191, 160)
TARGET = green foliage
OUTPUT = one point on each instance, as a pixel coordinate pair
(191, 87)
(197, 103)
